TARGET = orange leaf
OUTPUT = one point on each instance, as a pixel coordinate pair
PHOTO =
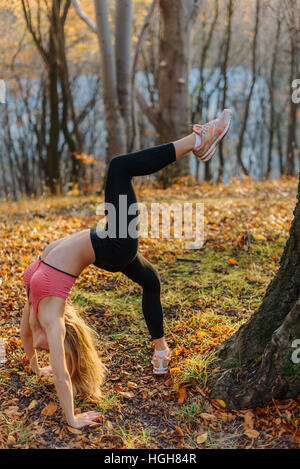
(231, 261)
(49, 410)
(179, 431)
(182, 395)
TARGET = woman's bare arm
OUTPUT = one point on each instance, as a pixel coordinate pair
(55, 331)
(51, 318)
(26, 337)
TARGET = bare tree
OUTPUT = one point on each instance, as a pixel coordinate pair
(253, 81)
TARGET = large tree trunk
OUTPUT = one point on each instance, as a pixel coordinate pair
(257, 362)
(177, 19)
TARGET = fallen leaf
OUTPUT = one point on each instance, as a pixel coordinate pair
(126, 395)
(32, 405)
(12, 410)
(248, 420)
(231, 261)
(201, 438)
(10, 440)
(251, 433)
(221, 403)
(179, 431)
(76, 431)
(206, 416)
(182, 395)
(109, 425)
(49, 410)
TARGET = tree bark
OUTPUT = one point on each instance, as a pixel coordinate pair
(256, 363)
(123, 35)
(254, 77)
(272, 104)
(177, 19)
(116, 136)
(224, 74)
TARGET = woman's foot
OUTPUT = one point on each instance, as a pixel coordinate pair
(210, 134)
(160, 361)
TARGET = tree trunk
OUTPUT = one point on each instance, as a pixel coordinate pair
(292, 124)
(272, 104)
(176, 18)
(116, 136)
(123, 36)
(53, 154)
(257, 362)
(224, 74)
(254, 77)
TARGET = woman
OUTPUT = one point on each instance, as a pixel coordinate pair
(48, 323)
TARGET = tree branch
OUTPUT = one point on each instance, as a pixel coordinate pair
(83, 16)
(151, 115)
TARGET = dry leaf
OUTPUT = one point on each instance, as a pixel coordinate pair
(12, 411)
(201, 438)
(221, 403)
(126, 395)
(32, 405)
(182, 395)
(76, 431)
(231, 261)
(179, 431)
(248, 420)
(206, 416)
(10, 440)
(109, 425)
(49, 410)
(251, 433)
(131, 385)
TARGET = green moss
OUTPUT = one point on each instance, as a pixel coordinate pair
(289, 369)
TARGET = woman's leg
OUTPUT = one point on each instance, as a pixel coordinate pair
(144, 274)
(123, 168)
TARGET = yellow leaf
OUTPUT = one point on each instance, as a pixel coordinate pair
(221, 403)
(32, 405)
(76, 431)
(201, 438)
(259, 238)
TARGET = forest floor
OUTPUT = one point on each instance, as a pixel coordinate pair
(207, 294)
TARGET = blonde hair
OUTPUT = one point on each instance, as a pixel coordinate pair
(86, 370)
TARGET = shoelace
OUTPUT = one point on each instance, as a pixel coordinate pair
(204, 128)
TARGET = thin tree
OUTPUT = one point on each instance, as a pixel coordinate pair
(253, 81)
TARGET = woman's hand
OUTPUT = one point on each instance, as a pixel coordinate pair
(86, 418)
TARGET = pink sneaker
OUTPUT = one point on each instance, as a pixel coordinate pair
(161, 362)
(211, 133)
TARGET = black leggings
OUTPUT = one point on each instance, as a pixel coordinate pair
(120, 253)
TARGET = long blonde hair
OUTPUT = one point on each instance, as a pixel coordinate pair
(86, 370)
